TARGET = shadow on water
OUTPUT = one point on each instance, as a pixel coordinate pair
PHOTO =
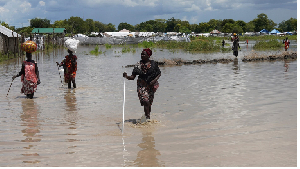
(32, 127)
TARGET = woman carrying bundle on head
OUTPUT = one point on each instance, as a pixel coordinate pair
(147, 84)
(70, 62)
(29, 72)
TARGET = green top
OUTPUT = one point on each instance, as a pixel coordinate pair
(48, 30)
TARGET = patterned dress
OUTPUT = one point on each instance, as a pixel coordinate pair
(147, 72)
(29, 78)
(70, 67)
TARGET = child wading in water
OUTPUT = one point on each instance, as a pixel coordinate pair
(70, 62)
(29, 72)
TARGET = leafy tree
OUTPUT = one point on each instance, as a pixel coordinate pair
(228, 28)
(149, 28)
(90, 26)
(193, 27)
(185, 30)
(40, 23)
(59, 24)
(215, 24)
(4, 24)
(177, 27)
(249, 27)
(289, 25)
(171, 23)
(203, 27)
(237, 29)
(99, 26)
(110, 28)
(225, 21)
(77, 25)
(242, 24)
(24, 30)
(262, 22)
(125, 25)
(160, 25)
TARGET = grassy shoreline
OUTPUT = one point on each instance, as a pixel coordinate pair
(205, 44)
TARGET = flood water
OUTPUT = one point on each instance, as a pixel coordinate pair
(237, 114)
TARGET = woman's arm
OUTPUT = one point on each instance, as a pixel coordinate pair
(132, 77)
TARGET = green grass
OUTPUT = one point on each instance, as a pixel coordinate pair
(108, 46)
(267, 45)
(10, 55)
(268, 37)
(96, 51)
(146, 44)
(200, 45)
(127, 49)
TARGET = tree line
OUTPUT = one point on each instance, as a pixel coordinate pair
(76, 25)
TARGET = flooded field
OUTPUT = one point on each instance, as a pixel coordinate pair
(235, 114)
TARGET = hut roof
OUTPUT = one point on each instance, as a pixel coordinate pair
(8, 32)
(48, 30)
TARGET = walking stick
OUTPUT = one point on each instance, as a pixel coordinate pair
(9, 87)
(123, 107)
(60, 76)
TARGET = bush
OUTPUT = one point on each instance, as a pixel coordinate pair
(265, 45)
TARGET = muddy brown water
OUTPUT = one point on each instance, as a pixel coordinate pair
(236, 114)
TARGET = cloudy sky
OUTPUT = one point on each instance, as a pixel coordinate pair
(18, 12)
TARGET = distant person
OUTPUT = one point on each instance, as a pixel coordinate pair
(235, 45)
(38, 42)
(147, 84)
(286, 44)
(223, 43)
(70, 62)
(29, 72)
(247, 41)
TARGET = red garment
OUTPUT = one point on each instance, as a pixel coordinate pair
(29, 84)
(71, 67)
(287, 44)
(148, 51)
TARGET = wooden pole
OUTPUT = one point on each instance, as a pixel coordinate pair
(53, 38)
(14, 43)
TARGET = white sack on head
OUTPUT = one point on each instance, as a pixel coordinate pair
(71, 44)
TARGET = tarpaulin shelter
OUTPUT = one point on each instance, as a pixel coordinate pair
(264, 31)
(274, 31)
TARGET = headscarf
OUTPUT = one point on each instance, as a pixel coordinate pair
(148, 51)
(29, 46)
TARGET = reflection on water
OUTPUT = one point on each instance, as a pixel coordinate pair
(71, 116)
(147, 157)
(236, 65)
(32, 127)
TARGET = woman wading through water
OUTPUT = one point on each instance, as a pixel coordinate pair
(147, 84)
(29, 72)
(70, 62)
